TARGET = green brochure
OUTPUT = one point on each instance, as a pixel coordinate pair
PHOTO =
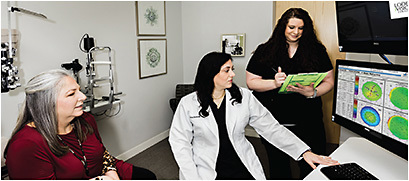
(304, 79)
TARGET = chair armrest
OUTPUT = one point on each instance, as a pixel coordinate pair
(4, 172)
(174, 104)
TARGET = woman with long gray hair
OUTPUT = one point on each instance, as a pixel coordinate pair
(55, 139)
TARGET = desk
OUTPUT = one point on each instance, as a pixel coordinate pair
(378, 161)
(100, 106)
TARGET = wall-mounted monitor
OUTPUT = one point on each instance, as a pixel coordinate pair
(367, 27)
(371, 99)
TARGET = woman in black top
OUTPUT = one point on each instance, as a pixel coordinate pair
(293, 48)
(207, 135)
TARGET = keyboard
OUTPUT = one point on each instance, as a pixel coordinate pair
(347, 171)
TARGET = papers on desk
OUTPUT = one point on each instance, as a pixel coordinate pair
(304, 79)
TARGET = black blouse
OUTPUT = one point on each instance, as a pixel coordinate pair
(228, 164)
(290, 108)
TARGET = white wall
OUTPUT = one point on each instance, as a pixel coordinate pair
(46, 44)
(395, 59)
(203, 23)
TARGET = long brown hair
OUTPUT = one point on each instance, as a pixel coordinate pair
(276, 48)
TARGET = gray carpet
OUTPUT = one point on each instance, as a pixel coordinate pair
(159, 159)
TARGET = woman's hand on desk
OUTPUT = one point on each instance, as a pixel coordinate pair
(312, 158)
(113, 174)
(104, 177)
(110, 175)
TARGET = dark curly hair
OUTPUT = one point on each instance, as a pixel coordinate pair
(209, 67)
(276, 48)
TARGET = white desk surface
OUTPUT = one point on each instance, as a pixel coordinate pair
(376, 160)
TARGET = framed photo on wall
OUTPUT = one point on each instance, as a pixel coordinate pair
(150, 18)
(233, 44)
(152, 57)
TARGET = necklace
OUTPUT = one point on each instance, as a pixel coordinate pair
(220, 96)
(218, 104)
(83, 161)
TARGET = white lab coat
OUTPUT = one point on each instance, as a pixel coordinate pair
(195, 141)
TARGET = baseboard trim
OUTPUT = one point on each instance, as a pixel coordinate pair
(161, 136)
(143, 146)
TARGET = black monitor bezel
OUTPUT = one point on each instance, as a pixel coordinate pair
(388, 45)
(386, 142)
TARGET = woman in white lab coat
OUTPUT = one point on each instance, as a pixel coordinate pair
(207, 133)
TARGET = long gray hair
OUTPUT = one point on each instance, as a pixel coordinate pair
(40, 106)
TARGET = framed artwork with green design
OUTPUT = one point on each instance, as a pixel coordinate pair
(152, 57)
(150, 18)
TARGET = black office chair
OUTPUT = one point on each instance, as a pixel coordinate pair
(181, 90)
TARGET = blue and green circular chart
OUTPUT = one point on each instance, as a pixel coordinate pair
(398, 126)
(399, 97)
(372, 91)
(370, 116)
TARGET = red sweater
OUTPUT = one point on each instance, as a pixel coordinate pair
(29, 157)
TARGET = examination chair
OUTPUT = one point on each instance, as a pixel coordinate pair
(181, 90)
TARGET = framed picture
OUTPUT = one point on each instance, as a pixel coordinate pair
(152, 57)
(233, 44)
(150, 18)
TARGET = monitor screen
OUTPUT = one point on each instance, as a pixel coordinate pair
(367, 27)
(371, 99)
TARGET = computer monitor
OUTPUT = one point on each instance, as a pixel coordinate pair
(371, 99)
(367, 27)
